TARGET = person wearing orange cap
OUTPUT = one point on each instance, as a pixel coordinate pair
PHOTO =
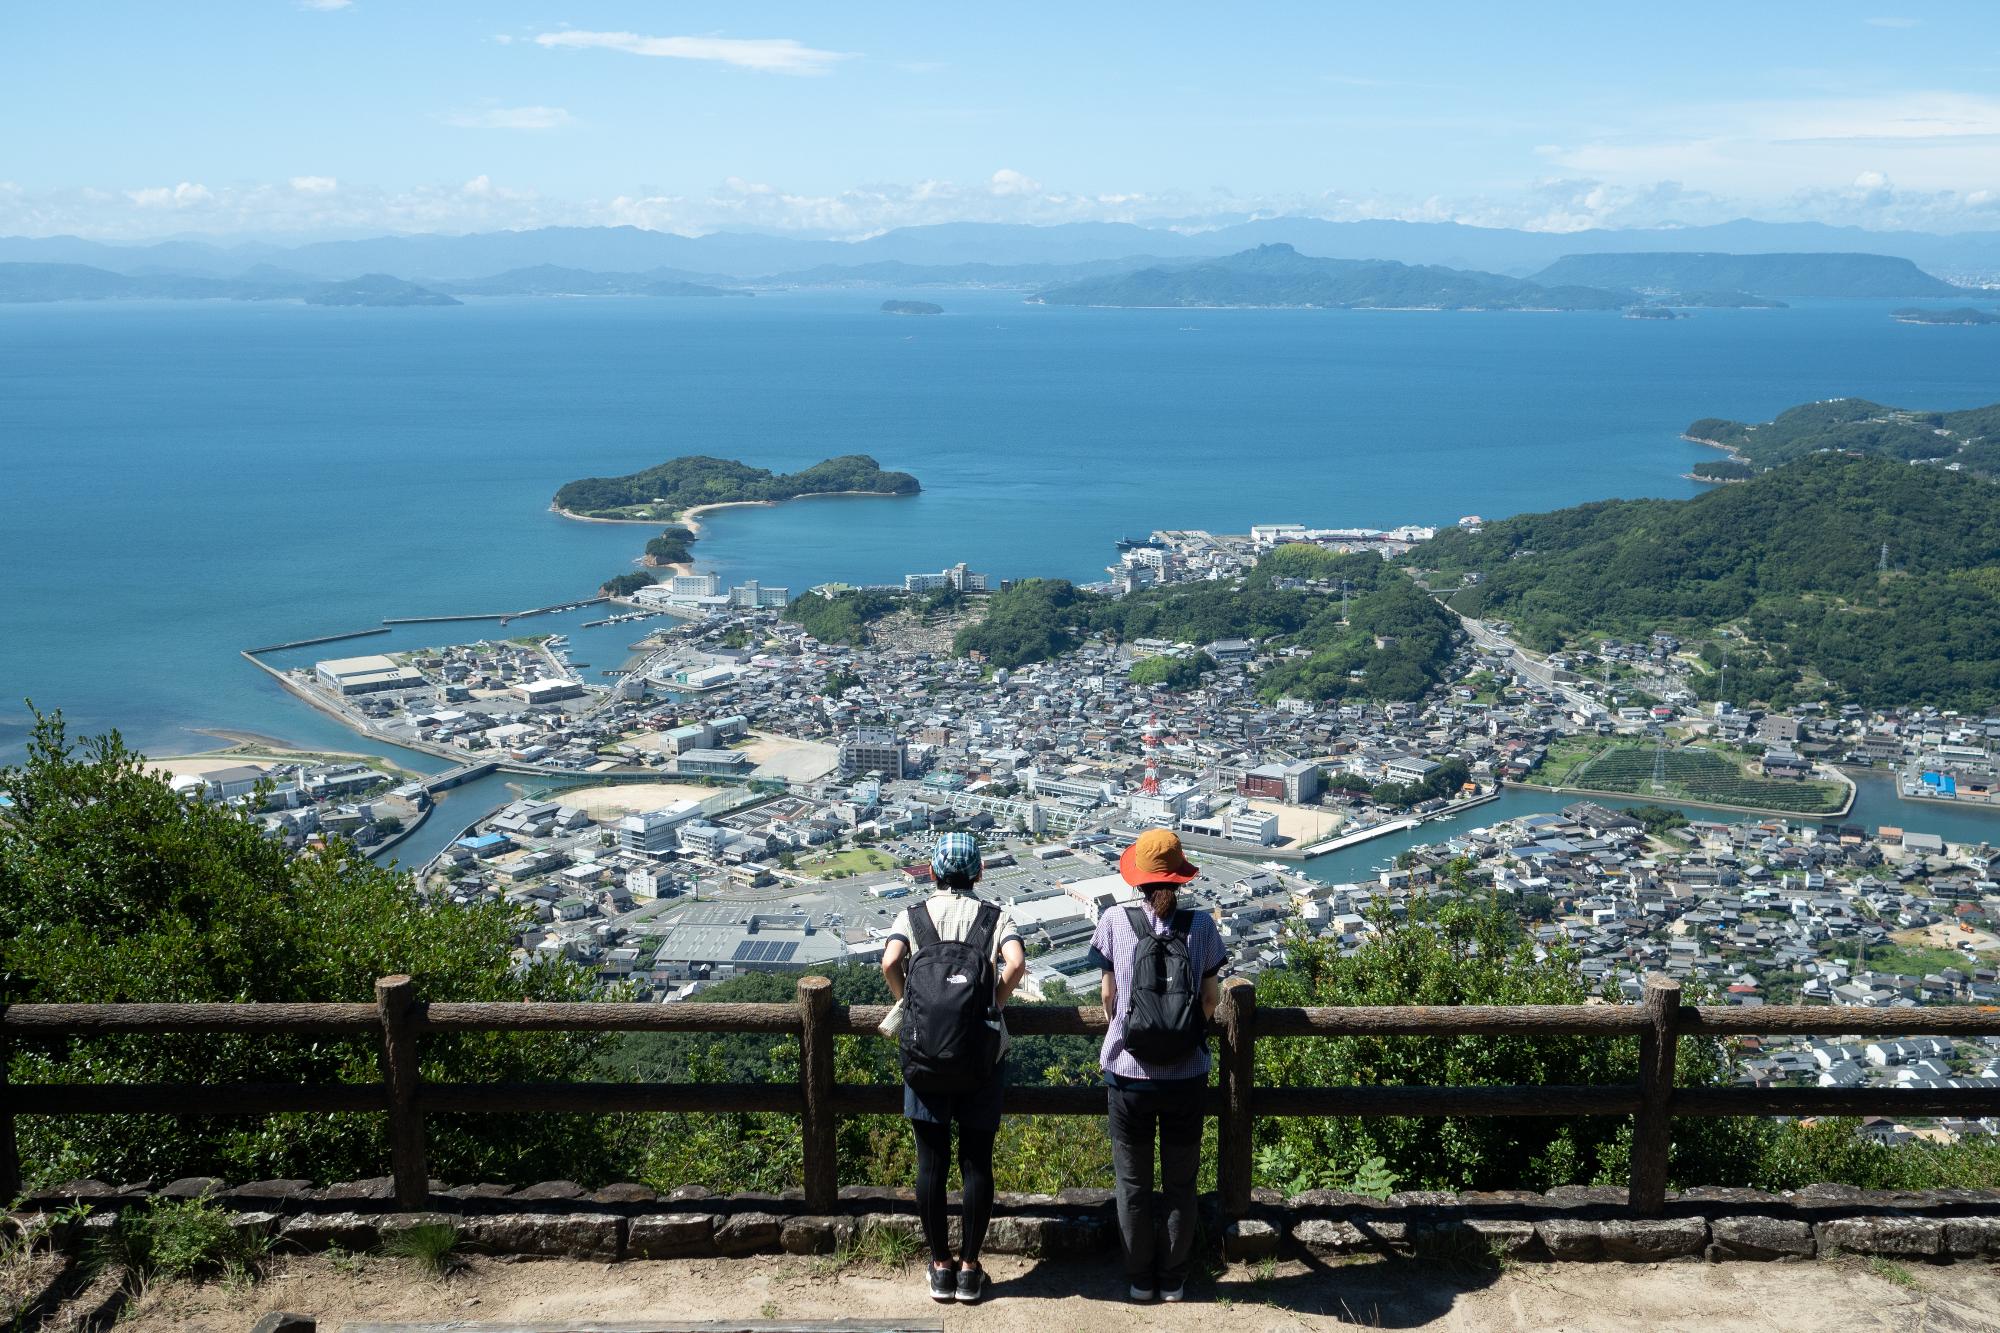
(1161, 983)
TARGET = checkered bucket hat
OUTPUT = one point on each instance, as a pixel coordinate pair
(956, 854)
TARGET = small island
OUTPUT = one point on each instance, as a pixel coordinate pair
(377, 289)
(679, 490)
(1723, 301)
(911, 308)
(1653, 312)
(679, 487)
(1964, 314)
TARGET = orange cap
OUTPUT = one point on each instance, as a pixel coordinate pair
(1155, 857)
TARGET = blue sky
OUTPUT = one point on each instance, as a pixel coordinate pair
(317, 117)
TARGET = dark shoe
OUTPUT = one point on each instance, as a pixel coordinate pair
(944, 1284)
(1136, 1292)
(1172, 1295)
(971, 1284)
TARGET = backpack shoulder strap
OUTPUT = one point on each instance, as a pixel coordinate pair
(1140, 926)
(1183, 923)
(922, 929)
(983, 926)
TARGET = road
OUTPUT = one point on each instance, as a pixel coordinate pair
(1534, 669)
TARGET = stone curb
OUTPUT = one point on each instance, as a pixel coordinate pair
(560, 1219)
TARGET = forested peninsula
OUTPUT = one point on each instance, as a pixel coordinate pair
(1851, 579)
(665, 492)
(1969, 439)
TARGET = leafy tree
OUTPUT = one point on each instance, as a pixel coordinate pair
(624, 585)
(844, 617)
(666, 549)
(115, 888)
(1032, 621)
(1172, 673)
(1658, 819)
(1462, 949)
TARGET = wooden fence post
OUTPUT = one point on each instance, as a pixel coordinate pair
(1652, 1127)
(396, 1000)
(822, 1169)
(1239, 1073)
(10, 1152)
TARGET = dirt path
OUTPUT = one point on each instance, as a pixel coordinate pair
(1060, 1298)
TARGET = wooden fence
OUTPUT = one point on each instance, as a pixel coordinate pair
(400, 1020)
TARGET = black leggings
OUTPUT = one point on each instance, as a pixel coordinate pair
(975, 1170)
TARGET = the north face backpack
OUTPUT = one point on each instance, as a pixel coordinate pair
(1164, 1024)
(949, 1045)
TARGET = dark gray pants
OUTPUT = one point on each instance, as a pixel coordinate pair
(1138, 1118)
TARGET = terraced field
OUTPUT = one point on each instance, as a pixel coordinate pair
(1695, 773)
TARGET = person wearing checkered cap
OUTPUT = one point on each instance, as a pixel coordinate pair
(952, 913)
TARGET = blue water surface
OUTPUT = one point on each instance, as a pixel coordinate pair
(182, 480)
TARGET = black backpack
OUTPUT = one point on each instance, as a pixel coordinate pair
(949, 1044)
(1164, 1024)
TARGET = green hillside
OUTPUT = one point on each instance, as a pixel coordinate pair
(1970, 438)
(1278, 275)
(1780, 572)
(680, 484)
(1396, 642)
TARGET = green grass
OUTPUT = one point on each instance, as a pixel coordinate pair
(1566, 755)
(1698, 773)
(1892, 1272)
(431, 1246)
(1913, 960)
(860, 861)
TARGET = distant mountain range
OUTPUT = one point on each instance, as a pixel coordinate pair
(1278, 275)
(1274, 274)
(555, 280)
(21, 283)
(745, 255)
(1795, 276)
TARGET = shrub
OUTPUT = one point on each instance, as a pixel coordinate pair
(180, 1238)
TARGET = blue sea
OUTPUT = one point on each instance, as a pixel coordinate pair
(182, 481)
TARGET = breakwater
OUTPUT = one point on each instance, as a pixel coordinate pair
(308, 643)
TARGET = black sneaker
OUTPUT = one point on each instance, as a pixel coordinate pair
(971, 1284)
(944, 1284)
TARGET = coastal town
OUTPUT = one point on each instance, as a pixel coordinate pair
(743, 797)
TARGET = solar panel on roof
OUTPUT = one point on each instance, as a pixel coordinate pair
(786, 951)
(743, 951)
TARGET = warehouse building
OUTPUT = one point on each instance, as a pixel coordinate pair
(366, 675)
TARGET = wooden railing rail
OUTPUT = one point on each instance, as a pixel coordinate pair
(400, 1021)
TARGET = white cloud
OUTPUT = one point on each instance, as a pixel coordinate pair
(314, 184)
(1007, 181)
(512, 118)
(781, 55)
(184, 195)
(1763, 150)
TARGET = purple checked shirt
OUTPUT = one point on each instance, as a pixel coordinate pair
(1112, 947)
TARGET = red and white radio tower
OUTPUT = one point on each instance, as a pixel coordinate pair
(1150, 738)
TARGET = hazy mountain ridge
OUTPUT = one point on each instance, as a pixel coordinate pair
(34, 283)
(556, 280)
(1278, 275)
(1802, 276)
(743, 255)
